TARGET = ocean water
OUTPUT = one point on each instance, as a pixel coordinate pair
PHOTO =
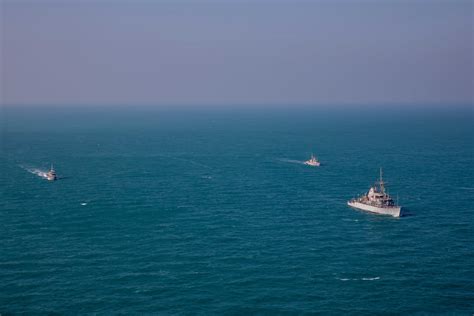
(183, 211)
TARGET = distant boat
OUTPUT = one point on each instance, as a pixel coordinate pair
(377, 201)
(51, 174)
(313, 161)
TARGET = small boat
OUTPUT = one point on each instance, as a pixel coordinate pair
(313, 161)
(51, 174)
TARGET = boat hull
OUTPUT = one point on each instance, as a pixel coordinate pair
(395, 211)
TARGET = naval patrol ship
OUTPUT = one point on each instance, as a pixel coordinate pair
(377, 200)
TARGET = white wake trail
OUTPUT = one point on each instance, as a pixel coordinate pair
(36, 171)
(291, 161)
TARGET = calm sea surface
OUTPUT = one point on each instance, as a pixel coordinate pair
(212, 211)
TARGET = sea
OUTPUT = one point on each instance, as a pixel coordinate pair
(210, 210)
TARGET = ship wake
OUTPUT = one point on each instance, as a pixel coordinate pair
(40, 173)
(291, 161)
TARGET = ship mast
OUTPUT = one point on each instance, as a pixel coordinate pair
(381, 183)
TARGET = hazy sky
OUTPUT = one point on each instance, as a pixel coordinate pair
(236, 52)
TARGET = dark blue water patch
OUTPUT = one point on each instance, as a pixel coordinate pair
(214, 212)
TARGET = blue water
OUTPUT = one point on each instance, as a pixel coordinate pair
(212, 211)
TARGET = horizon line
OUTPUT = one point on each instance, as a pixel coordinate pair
(223, 105)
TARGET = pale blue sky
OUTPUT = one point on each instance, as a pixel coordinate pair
(236, 52)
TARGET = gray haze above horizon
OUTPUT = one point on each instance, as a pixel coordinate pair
(236, 52)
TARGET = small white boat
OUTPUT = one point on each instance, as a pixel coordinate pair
(51, 174)
(313, 161)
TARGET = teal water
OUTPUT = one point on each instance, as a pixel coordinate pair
(211, 211)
